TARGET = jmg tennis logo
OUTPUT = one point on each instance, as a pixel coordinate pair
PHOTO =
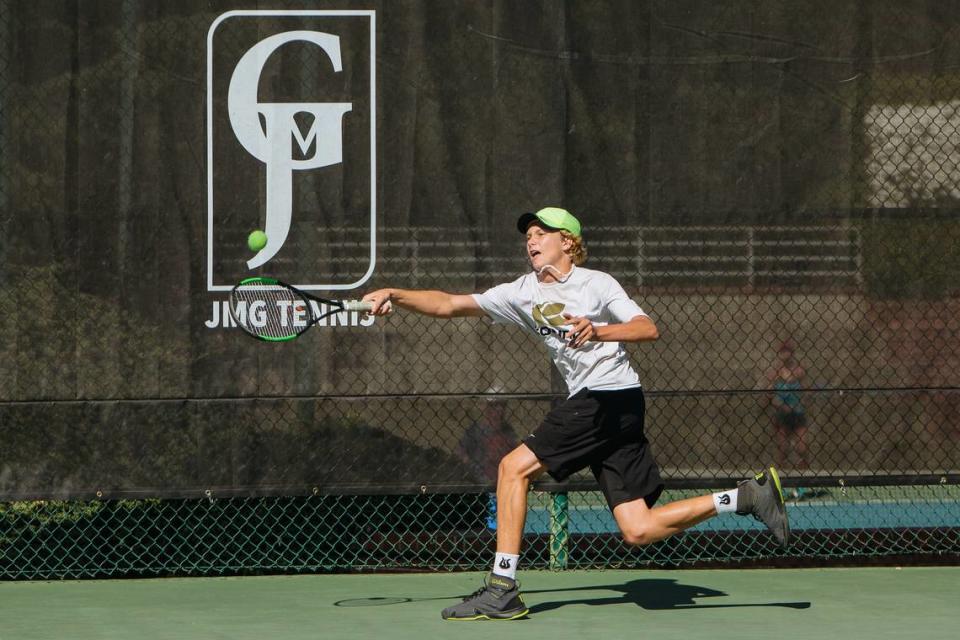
(291, 147)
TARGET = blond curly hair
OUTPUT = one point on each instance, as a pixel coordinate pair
(578, 250)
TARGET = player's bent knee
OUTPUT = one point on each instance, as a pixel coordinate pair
(518, 464)
(636, 536)
(510, 467)
(503, 468)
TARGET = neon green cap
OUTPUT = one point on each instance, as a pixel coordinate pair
(553, 217)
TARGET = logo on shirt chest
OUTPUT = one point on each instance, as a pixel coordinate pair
(549, 319)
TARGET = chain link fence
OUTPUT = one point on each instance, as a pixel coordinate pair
(775, 185)
(446, 532)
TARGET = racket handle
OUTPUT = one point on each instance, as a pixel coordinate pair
(357, 305)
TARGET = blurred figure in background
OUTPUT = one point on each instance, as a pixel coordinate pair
(484, 444)
(786, 379)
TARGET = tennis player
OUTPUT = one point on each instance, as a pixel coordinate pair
(583, 317)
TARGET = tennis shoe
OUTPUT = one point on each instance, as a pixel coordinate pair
(498, 599)
(762, 497)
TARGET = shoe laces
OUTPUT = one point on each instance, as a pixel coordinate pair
(476, 593)
(480, 591)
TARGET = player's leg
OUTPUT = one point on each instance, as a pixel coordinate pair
(640, 523)
(630, 480)
(499, 598)
(561, 445)
(517, 469)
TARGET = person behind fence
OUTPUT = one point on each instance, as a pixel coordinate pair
(583, 317)
(485, 442)
(786, 380)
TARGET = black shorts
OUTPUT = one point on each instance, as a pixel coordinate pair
(602, 430)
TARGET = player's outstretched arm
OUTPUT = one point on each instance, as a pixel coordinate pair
(438, 304)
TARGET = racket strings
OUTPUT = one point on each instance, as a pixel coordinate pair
(269, 310)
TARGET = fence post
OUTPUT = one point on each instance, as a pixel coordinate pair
(559, 533)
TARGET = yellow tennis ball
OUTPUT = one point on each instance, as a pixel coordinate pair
(257, 240)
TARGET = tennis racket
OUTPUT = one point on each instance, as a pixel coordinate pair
(271, 310)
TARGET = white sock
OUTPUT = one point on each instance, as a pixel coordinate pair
(725, 501)
(505, 564)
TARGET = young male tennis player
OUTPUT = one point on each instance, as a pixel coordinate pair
(583, 316)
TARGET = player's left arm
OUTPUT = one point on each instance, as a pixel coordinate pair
(638, 329)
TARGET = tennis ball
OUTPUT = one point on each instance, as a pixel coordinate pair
(257, 240)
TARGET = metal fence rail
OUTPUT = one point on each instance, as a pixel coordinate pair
(564, 530)
(817, 257)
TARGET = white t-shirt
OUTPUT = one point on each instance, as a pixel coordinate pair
(540, 307)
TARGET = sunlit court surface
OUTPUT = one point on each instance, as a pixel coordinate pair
(887, 602)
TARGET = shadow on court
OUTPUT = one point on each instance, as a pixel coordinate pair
(652, 594)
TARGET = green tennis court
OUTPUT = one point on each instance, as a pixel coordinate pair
(783, 603)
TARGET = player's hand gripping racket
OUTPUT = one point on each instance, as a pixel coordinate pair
(276, 312)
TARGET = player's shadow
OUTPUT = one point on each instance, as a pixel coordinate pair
(655, 594)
